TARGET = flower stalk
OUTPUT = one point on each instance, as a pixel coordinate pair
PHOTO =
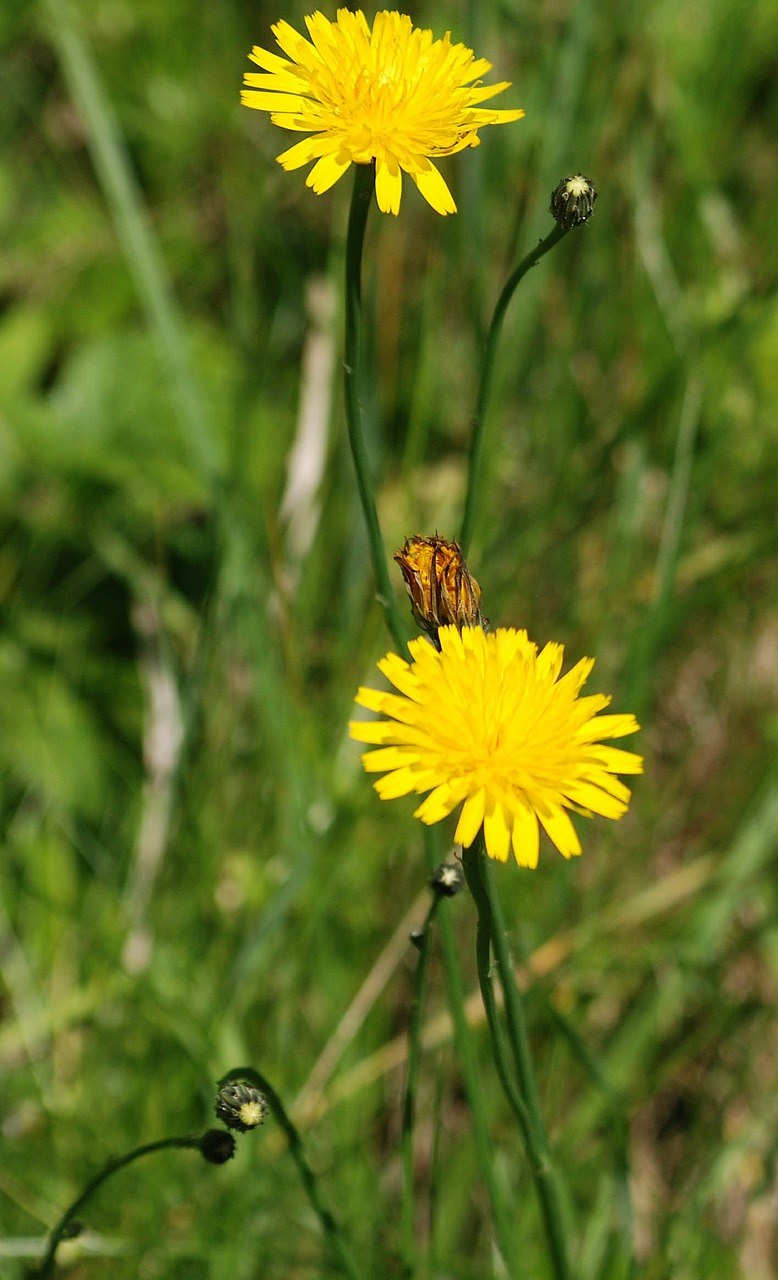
(64, 1229)
(361, 198)
(407, 1235)
(486, 380)
(329, 1224)
(445, 882)
(467, 1057)
(491, 937)
(468, 1061)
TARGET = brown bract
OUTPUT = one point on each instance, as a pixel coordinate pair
(443, 592)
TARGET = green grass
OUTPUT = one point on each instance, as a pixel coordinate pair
(196, 874)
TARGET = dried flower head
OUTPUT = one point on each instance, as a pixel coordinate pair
(489, 723)
(389, 94)
(442, 590)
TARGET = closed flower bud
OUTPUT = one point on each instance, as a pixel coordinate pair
(240, 1106)
(572, 201)
(217, 1146)
(443, 592)
(446, 880)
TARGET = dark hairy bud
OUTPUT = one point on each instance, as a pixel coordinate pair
(572, 201)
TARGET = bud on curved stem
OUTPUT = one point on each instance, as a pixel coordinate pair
(248, 1077)
(572, 202)
(64, 1228)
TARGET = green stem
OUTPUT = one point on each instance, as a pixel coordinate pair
(60, 1231)
(411, 1083)
(362, 195)
(543, 1171)
(486, 379)
(504, 1232)
(483, 945)
(329, 1224)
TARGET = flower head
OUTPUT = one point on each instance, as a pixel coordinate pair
(441, 588)
(488, 722)
(390, 94)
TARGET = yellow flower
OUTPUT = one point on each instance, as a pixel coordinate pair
(392, 95)
(488, 723)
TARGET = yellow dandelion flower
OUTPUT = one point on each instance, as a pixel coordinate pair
(390, 94)
(489, 723)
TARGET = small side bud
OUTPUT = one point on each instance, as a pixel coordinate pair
(217, 1146)
(572, 201)
(240, 1106)
(446, 880)
(416, 938)
(442, 590)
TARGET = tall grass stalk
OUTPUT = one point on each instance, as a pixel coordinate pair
(135, 234)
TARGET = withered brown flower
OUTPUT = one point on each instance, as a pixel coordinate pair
(442, 590)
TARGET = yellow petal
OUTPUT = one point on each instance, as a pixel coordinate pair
(470, 819)
(497, 834)
(525, 837)
(276, 81)
(327, 171)
(439, 803)
(376, 733)
(617, 761)
(610, 785)
(264, 101)
(399, 674)
(483, 117)
(293, 44)
(550, 660)
(270, 61)
(560, 830)
(398, 783)
(389, 758)
(593, 798)
(388, 704)
(303, 152)
(388, 185)
(608, 727)
(433, 187)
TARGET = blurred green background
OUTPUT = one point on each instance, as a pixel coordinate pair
(195, 873)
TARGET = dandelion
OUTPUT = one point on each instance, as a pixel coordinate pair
(488, 722)
(390, 94)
